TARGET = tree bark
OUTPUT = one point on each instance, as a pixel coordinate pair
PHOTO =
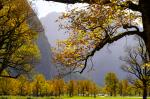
(145, 91)
(145, 10)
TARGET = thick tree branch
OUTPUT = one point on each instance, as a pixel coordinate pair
(70, 1)
(1, 6)
(112, 39)
(133, 6)
(81, 1)
(108, 40)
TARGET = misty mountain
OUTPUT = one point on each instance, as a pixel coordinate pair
(105, 60)
(45, 65)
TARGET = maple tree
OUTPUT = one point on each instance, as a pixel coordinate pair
(94, 89)
(111, 82)
(90, 29)
(141, 6)
(85, 88)
(102, 14)
(71, 88)
(24, 87)
(137, 64)
(18, 49)
(123, 87)
(9, 86)
(58, 87)
(38, 85)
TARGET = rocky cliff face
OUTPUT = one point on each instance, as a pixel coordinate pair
(45, 65)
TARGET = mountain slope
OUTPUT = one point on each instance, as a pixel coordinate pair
(45, 65)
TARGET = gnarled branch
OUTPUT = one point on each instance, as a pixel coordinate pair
(82, 1)
(70, 1)
(109, 40)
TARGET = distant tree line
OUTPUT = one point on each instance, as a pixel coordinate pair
(39, 86)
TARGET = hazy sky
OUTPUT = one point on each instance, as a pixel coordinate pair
(44, 7)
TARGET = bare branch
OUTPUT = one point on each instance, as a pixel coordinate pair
(108, 40)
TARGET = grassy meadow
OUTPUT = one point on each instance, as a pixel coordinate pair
(65, 97)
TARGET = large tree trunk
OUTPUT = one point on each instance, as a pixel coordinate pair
(145, 10)
(145, 92)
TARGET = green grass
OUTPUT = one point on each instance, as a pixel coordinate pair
(76, 97)
(65, 97)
